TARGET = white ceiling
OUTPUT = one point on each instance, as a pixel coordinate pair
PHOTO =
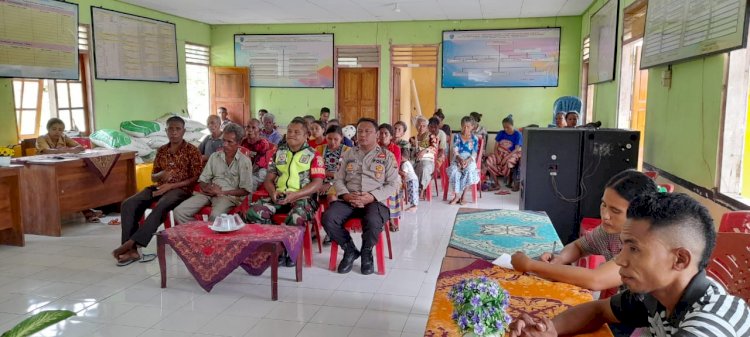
(316, 11)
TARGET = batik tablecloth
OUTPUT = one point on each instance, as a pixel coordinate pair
(529, 294)
(212, 256)
(490, 233)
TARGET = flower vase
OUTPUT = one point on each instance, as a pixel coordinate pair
(4, 161)
(472, 334)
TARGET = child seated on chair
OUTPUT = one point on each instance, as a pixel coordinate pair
(331, 154)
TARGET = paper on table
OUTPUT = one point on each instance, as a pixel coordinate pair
(503, 261)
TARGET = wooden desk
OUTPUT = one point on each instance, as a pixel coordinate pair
(51, 189)
(11, 223)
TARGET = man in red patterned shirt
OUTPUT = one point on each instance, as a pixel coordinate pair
(176, 168)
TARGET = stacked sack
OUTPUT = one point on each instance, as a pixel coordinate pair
(145, 137)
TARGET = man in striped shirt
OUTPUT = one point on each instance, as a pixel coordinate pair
(667, 243)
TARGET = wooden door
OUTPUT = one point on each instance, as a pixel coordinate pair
(229, 87)
(638, 107)
(396, 95)
(357, 94)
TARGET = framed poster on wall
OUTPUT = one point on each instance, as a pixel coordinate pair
(286, 61)
(132, 47)
(39, 39)
(603, 37)
(682, 30)
(501, 58)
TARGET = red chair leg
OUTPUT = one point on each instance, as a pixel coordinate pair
(474, 193)
(318, 226)
(428, 192)
(334, 255)
(307, 247)
(380, 256)
(388, 238)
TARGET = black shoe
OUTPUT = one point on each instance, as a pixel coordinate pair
(350, 255)
(327, 240)
(368, 267)
(289, 262)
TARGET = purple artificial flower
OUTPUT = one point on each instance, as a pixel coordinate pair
(475, 318)
(499, 325)
(479, 329)
(454, 315)
(463, 322)
(494, 291)
(476, 301)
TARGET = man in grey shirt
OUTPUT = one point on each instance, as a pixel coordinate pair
(226, 178)
(212, 142)
(367, 177)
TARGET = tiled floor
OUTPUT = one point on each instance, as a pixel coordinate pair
(76, 272)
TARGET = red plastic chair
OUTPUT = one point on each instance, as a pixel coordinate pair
(84, 141)
(168, 219)
(307, 244)
(355, 225)
(591, 261)
(442, 170)
(737, 222)
(651, 174)
(730, 263)
(206, 210)
(260, 193)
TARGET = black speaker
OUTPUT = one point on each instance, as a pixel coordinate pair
(550, 171)
(563, 172)
(606, 152)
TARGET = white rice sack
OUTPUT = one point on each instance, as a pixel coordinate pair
(193, 136)
(156, 142)
(139, 146)
(137, 128)
(190, 124)
(111, 139)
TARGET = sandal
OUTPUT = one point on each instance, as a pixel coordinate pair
(123, 263)
(502, 192)
(114, 222)
(147, 258)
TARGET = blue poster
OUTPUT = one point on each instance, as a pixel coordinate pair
(501, 58)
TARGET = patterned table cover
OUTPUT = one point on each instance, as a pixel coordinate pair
(490, 233)
(212, 256)
(529, 294)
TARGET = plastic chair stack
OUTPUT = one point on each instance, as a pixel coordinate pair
(737, 222)
(730, 263)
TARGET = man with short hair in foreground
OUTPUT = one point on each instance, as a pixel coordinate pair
(667, 243)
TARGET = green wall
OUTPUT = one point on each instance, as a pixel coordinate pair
(8, 133)
(682, 122)
(115, 101)
(528, 105)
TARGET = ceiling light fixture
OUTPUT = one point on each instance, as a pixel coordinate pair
(395, 7)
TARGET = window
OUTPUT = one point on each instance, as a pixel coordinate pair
(197, 61)
(735, 159)
(587, 90)
(38, 100)
(357, 57)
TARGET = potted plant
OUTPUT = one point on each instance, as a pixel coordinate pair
(480, 307)
(5, 154)
(38, 323)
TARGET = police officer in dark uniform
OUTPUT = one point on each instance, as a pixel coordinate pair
(367, 177)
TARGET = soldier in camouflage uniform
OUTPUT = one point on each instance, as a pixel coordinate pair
(295, 174)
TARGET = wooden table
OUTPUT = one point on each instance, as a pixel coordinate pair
(11, 219)
(529, 294)
(210, 256)
(53, 188)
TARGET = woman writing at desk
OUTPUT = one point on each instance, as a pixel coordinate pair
(55, 141)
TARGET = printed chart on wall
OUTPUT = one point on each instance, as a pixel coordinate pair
(501, 58)
(131, 47)
(38, 39)
(286, 61)
(603, 43)
(683, 29)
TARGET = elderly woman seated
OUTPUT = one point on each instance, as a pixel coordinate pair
(507, 154)
(463, 169)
